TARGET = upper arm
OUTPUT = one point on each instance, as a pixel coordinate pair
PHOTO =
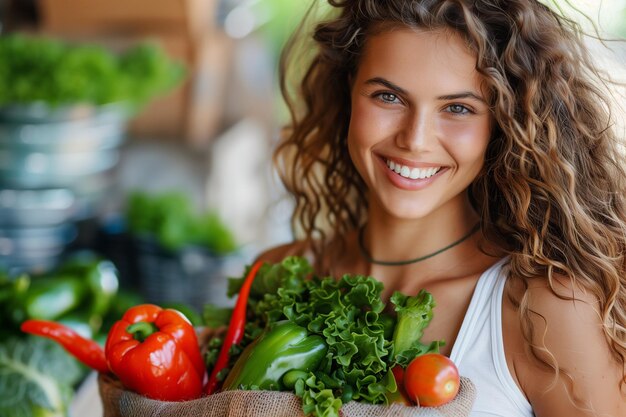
(570, 332)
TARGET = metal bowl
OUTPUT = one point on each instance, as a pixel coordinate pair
(33, 208)
(39, 169)
(44, 147)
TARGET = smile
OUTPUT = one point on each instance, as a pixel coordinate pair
(412, 173)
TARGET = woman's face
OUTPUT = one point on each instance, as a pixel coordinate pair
(420, 124)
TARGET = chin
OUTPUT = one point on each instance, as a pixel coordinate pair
(409, 210)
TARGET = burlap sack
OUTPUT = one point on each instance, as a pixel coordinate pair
(118, 402)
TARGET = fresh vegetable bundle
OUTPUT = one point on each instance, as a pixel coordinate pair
(328, 341)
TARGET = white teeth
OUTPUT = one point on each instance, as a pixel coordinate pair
(412, 173)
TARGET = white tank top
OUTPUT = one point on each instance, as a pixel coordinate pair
(479, 350)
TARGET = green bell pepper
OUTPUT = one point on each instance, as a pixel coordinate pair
(49, 298)
(100, 276)
(282, 348)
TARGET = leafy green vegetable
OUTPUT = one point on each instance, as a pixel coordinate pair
(348, 314)
(36, 378)
(171, 219)
(414, 314)
(316, 398)
(40, 69)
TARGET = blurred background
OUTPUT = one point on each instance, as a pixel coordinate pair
(135, 160)
(147, 139)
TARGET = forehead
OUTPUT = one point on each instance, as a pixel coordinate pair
(413, 57)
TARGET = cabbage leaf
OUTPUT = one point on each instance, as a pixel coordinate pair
(36, 378)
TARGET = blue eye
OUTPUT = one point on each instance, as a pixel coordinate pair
(388, 98)
(458, 109)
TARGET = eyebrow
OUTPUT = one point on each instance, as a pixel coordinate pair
(465, 94)
(392, 86)
(386, 83)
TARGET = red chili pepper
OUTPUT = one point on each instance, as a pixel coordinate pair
(155, 352)
(235, 330)
(86, 351)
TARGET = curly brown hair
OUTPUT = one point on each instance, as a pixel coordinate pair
(552, 189)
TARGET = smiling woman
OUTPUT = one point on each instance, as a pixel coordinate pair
(419, 123)
(416, 120)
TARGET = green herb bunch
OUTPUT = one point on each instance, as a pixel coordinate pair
(42, 69)
(170, 218)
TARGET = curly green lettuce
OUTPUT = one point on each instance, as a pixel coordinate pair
(349, 314)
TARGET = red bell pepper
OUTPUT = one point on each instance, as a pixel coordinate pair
(86, 351)
(154, 352)
(236, 328)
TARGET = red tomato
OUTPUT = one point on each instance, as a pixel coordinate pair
(431, 380)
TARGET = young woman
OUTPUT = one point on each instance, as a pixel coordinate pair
(463, 146)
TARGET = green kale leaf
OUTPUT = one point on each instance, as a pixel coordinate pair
(36, 378)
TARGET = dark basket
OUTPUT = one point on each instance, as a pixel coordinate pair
(192, 275)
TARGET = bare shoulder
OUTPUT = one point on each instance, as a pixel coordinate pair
(567, 330)
(278, 253)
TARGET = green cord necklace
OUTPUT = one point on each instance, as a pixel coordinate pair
(369, 258)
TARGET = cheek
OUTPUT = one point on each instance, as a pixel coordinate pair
(369, 124)
(467, 142)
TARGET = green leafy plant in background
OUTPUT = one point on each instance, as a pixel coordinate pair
(41, 69)
(36, 378)
(171, 219)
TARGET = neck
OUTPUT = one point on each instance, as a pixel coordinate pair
(392, 239)
(365, 253)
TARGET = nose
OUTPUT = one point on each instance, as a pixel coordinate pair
(417, 132)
